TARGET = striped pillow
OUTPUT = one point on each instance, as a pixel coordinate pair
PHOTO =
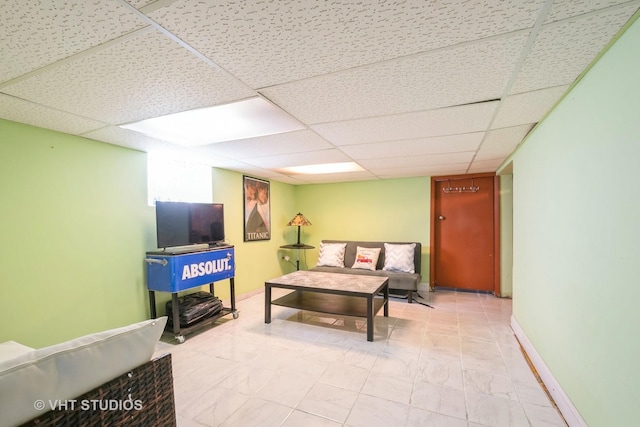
(399, 258)
(331, 255)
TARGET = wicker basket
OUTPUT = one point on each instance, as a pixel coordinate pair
(142, 397)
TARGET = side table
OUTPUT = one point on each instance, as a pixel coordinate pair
(298, 247)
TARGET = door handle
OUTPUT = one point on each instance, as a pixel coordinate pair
(441, 218)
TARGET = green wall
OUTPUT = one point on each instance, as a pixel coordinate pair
(506, 236)
(74, 222)
(257, 260)
(384, 210)
(577, 238)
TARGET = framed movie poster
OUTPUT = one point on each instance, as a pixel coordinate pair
(257, 209)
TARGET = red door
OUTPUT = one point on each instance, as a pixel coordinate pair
(464, 233)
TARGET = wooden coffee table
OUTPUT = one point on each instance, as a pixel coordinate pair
(332, 293)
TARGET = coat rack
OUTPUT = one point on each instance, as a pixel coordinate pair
(449, 189)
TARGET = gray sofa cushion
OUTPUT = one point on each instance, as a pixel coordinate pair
(397, 280)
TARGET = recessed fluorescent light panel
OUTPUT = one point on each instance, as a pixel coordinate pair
(323, 168)
(248, 118)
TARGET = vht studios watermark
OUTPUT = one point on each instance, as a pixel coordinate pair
(88, 405)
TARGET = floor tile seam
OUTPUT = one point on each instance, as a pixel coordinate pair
(395, 402)
(412, 405)
(359, 392)
(226, 418)
(248, 396)
(215, 384)
(408, 407)
(464, 379)
(507, 401)
(263, 400)
(306, 411)
(466, 400)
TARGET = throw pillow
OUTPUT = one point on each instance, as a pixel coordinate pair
(366, 258)
(331, 255)
(399, 258)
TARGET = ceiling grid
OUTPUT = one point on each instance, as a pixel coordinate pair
(403, 88)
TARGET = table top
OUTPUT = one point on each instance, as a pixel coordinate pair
(311, 280)
(294, 246)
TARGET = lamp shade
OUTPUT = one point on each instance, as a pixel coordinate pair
(299, 220)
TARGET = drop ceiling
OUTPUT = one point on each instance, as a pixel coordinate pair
(402, 88)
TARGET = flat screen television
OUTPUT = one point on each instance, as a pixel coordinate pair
(183, 224)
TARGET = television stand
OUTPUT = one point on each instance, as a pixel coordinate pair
(175, 273)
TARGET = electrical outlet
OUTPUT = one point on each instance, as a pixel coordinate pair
(286, 258)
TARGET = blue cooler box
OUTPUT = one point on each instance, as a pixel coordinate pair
(175, 273)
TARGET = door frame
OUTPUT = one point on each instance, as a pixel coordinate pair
(496, 227)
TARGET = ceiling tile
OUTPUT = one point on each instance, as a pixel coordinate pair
(563, 9)
(21, 111)
(38, 33)
(580, 39)
(528, 107)
(298, 159)
(415, 147)
(416, 161)
(430, 170)
(455, 76)
(423, 124)
(284, 143)
(160, 77)
(271, 42)
(481, 166)
(139, 4)
(127, 138)
(336, 177)
(500, 143)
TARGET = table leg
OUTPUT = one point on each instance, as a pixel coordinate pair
(152, 305)
(370, 318)
(232, 289)
(385, 294)
(267, 303)
(175, 308)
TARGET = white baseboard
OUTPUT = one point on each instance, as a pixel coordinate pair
(423, 287)
(569, 412)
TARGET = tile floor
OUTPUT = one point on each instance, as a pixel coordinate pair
(457, 364)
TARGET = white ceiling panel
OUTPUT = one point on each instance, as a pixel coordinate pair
(499, 143)
(528, 107)
(126, 138)
(246, 38)
(286, 143)
(481, 166)
(471, 73)
(298, 159)
(159, 78)
(416, 161)
(563, 9)
(423, 124)
(38, 33)
(138, 4)
(412, 147)
(335, 177)
(21, 111)
(416, 171)
(562, 50)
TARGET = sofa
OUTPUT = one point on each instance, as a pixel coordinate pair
(102, 379)
(399, 261)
